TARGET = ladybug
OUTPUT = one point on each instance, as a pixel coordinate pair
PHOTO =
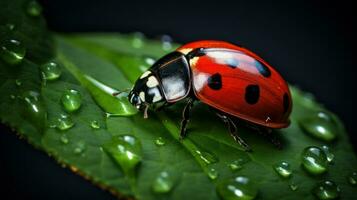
(233, 81)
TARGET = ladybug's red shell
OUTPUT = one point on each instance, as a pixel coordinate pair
(238, 82)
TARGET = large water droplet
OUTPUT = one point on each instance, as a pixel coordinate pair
(138, 40)
(71, 100)
(33, 8)
(206, 157)
(283, 169)
(64, 122)
(12, 51)
(314, 160)
(236, 164)
(320, 125)
(160, 141)
(326, 190)
(212, 173)
(51, 71)
(117, 105)
(95, 124)
(238, 188)
(35, 109)
(352, 178)
(126, 151)
(80, 148)
(329, 155)
(163, 183)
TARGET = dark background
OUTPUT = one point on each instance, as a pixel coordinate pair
(312, 44)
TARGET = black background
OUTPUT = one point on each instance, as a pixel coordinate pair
(312, 44)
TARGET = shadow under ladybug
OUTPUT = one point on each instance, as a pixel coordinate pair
(234, 82)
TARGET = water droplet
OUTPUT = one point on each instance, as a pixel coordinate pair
(283, 169)
(12, 96)
(327, 190)
(95, 124)
(64, 139)
(320, 125)
(138, 40)
(71, 100)
(64, 122)
(352, 178)
(10, 26)
(160, 141)
(35, 109)
(149, 61)
(51, 71)
(18, 82)
(314, 160)
(293, 186)
(163, 183)
(117, 105)
(236, 164)
(212, 173)
(80, 148)
(329, 155)
(125, 150)
(206, 157)
(238, 188)
(33, 8)
(12, 51)
(166, 42)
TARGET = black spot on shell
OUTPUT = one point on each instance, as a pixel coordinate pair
(215, 81)
(263, 69)
(232, 63)
(252, 93)
(286, 102)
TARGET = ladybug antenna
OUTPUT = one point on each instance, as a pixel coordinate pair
(119, 92)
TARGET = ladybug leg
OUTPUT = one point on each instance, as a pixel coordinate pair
(185, 118)
(233, 131)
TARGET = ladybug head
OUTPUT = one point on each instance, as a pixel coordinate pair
(146, 91)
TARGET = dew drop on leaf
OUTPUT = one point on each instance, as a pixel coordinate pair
(320, 125)
(18, 82)
(314, 160)
(166, 42)
(34, 108)
(95, 124)
(238, 188)
(236, 164)
(212, 173)
(138, 39)
(283, 169)
(80, 148)
(163, 183)
(293, 186)
(33, 8)
(64, 122)
(10, 26)
(326, 190)
(71, 100)
(64, 139)
(126, 150)
(206, 157)
(352, 178)
(12, 51)
(51, 70)
(160, 141)
(329, 155)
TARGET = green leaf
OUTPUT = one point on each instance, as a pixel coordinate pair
(97, 65)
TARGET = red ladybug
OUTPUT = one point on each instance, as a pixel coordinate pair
(232, 80)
